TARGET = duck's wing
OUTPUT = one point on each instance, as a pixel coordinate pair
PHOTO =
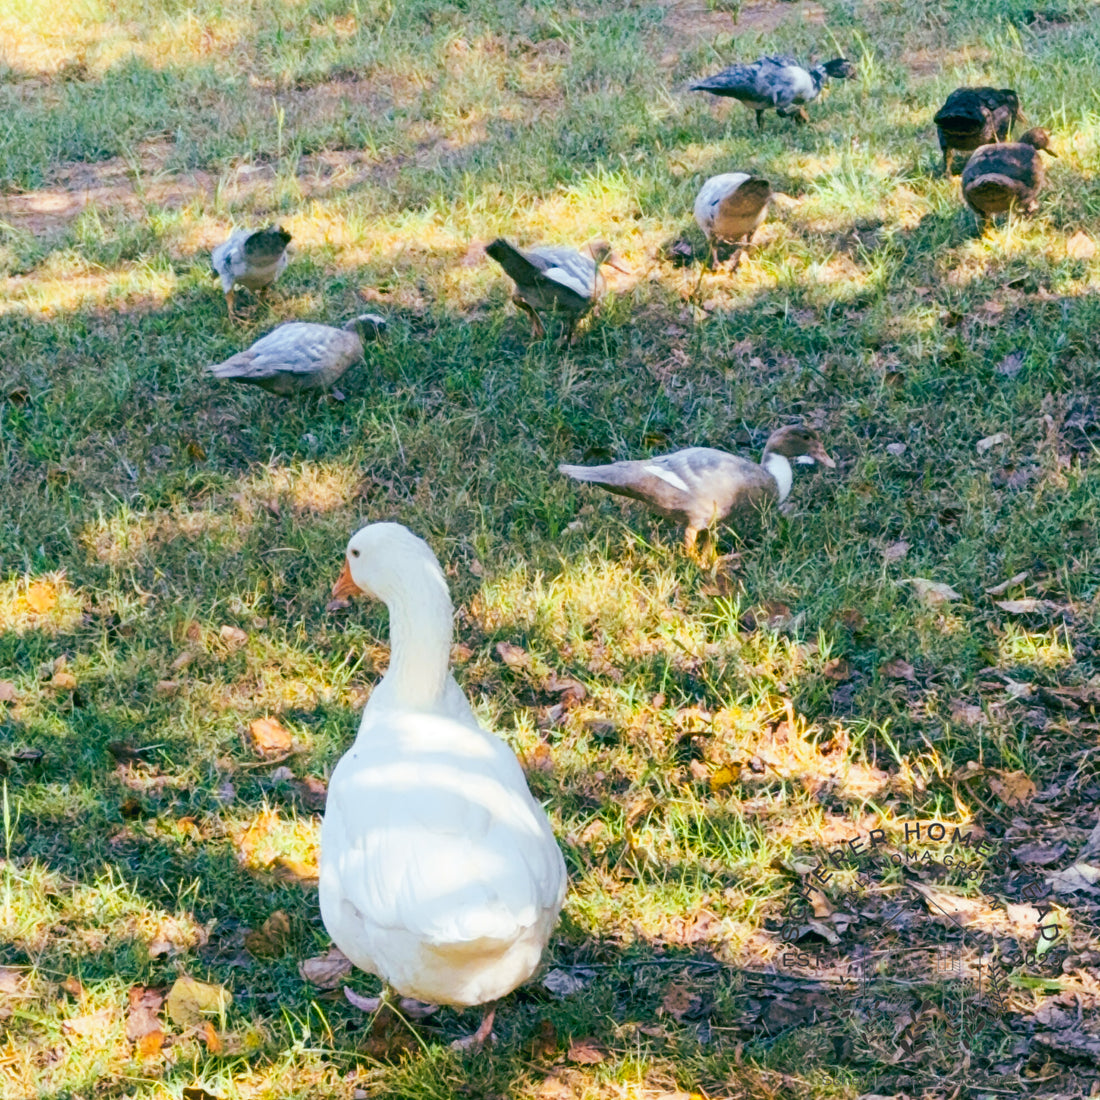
(963, 111)
(564, 271)
(432, 837)
(265, 247)
(736, 82)
(1014, 162)
(296, 348)
(696, 485)
(731, 206)
(785, 82)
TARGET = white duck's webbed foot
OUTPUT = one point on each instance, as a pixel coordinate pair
(406, 1006)
(483, 1035)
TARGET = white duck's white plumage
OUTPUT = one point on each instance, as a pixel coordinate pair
(439, 871)
(253, 258)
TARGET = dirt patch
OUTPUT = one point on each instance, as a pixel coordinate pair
(692, 21)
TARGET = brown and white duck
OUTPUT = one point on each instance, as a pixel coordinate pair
(301, 356)
(700, 486)
(553, 279)
(250, 258)
(1006, 174)
(731, 207)
(971, 117)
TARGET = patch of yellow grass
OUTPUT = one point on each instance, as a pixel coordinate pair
(45, 602)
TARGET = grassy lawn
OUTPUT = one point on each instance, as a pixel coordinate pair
(167, 543)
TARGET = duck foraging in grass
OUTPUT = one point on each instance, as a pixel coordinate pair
(700, 486)
(554, 279)
(971, 117)
(439, 872)
(1007, 174)
(777, 84)
(251, 258)
(730, 208)
(300, 356)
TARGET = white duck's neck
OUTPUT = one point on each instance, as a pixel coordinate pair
(421, 622)
(780, 469)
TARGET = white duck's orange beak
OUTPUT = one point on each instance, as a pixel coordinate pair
(345, 587)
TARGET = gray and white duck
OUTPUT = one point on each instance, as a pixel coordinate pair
(554, 279)
(779, 84)
(252, 258)
(699, 486)
(971, 117)
(731, 207)
(1006, 174)
(301, 356)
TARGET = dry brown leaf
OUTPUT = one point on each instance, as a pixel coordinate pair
(680, 1001)
(513, 656)
(586, 1052)
(1012, 788)
(837, 668)
(1004, 586)
(233, 636)
(92, 1024)
(270, 938)
(966, 714)
(725, 776)
(190, 1000)
(269, 738)
(73, 987)
(197, 1092)
(326, 971)
(41, 597)
(145, 1003)
(932, 593)
(898, 669)
(1025, 606)
(183, 659)
(1080, 246)
(168, 687)
(149, 1044)
(991, 441)
(63, 681)
(7, 692)
(540, 759)
(210, 1038)
(296, 870)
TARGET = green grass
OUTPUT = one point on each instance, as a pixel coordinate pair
(143, 508)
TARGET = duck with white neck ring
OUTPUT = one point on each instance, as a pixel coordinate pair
(439, 871)
(700, 486)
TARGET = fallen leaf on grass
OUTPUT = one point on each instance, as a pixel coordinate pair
(63, 681)
(296, 870)
(1080, 246)
(932, 593)
(168, 687)
(513, 656)
(148, 1046)
(41, 597)
(269, 737)
(92, 1024)
(7, 692)
(73, 987)
(837, 669)
(680, 1001)
(586, 1052)
(966, 714)
(1012, 788)
(545, 1042)
(990, 441)
(1004, 586)
(233, 636)
(190, 1000)
(1025, 606)
(540, 759)
(896, 449)
(898, 669)
(145, 1003)
(326, 971)
(337, 605)
(211, 1038)
(270, 938)
(724, 777)
(183, 659)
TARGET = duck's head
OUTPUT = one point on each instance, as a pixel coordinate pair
(367, 326)
(1038, 139)
(600, 251)
(801, 444)
(383, 560)
(840, 69)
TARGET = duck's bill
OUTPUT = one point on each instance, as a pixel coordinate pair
(821, 456)
(345, 588)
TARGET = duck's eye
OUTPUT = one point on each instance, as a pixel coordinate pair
(355, 553)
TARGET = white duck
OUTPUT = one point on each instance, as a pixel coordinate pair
(730, 208)
(439, 871)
